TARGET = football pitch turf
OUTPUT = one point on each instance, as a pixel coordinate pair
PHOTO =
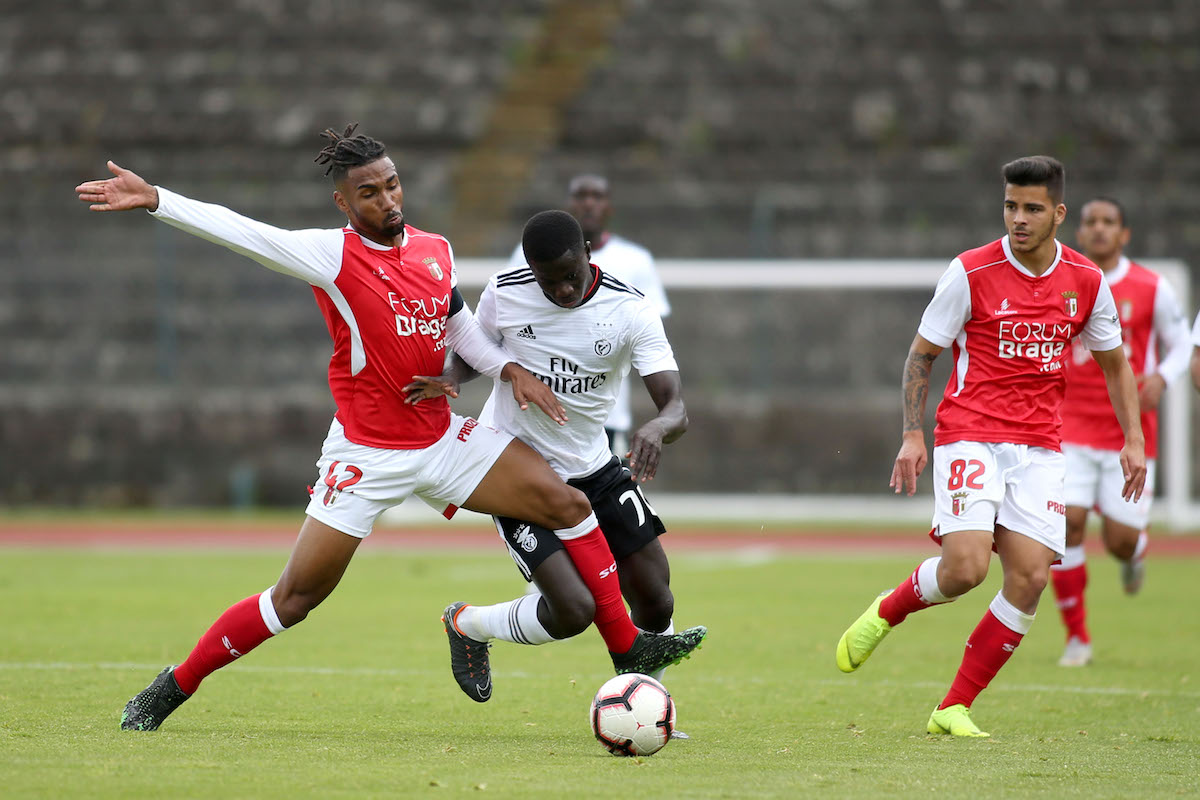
(358, 700)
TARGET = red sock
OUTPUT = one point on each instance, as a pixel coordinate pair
(239, 630)
(1068, 592)
(596, 564)
(904, 600)
(989, 648)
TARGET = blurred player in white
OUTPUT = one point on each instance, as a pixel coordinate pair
(1196, 353)
(580, 330)
(1153, 325)
(1009, 309)
(389, 297)
(590, 202)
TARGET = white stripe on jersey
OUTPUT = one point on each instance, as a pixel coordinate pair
(582, 353)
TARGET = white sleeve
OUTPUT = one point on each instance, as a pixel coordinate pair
(310, 255)
(950, 307)
(485, 313)
(1102, 331)
(1196, 331)
(465, 337)
(651, 286)
(518, 258)
(650, 350)
(1171, 327)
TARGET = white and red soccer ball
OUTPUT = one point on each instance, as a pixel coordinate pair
(633, 715)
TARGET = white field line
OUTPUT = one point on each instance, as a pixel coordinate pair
(1117, 691)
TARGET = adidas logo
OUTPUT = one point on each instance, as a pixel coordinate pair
(526, 333)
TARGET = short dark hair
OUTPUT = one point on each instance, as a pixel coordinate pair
(550, 234)
(1112, 201)
(1038, 171)
(345, 151)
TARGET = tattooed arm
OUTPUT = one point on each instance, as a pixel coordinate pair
(913, 456)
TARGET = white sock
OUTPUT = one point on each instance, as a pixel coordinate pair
(1073, 556)
(515, 621)
(927, 585)
(1009, 615)
(658, 676)
(1139, 550)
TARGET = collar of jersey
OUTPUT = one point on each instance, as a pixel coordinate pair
(1024, 270)
(1118, 272)
(376, 245)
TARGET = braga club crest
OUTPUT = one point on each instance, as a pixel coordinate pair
(435, 269)
(1072, 303)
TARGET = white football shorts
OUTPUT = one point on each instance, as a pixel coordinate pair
(978, 485)
(356, 483)
(1095, 481)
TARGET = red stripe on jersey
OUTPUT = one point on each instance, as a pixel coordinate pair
(1087, 413)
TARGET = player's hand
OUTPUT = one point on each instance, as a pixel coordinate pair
(910, 461)
(125, 191)
(1151, 392)
(527, 389)
(1133, 466)
(428, 387)
(645, 451)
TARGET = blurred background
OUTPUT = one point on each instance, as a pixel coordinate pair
(140, 367)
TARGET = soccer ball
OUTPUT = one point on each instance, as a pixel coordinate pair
(633, 715)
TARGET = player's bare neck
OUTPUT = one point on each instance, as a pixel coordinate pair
(1108, 263)
(1039, 260)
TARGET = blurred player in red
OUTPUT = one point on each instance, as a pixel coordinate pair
(389, 295)
(1153, 325)
(1010, 310)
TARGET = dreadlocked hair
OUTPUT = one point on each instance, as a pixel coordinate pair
(344, 151)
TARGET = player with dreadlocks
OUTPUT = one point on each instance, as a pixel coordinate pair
(390, 300)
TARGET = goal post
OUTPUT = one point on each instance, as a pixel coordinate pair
(688, 280)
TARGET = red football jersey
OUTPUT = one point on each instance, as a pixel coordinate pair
(386, 309)
(1011, 333)
(1087, 413)
(387, 314)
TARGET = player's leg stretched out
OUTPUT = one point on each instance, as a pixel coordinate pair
(318, 560)
(583, 578)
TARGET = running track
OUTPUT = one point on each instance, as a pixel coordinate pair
(234, 535)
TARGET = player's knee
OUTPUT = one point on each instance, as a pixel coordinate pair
(292, 607)
(654, 609)
(961, 576)
(571, 616)
(566, 507)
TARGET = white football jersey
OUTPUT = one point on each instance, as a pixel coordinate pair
(582, 353)
(632, 264)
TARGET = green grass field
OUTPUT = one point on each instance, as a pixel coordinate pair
(358, 700)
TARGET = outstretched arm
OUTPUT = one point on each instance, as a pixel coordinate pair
(1123, 392)
(645, 449)
(913, 456)
(314, 256)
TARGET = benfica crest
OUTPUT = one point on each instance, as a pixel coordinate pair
(1072, 303)
(958, 503)
(435, 269)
